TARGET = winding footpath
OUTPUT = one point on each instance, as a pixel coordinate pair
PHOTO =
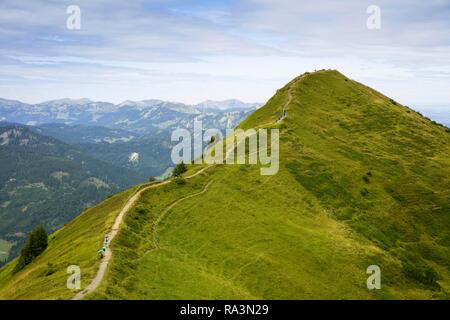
(115, 229)
(283, 111)
(117, 223)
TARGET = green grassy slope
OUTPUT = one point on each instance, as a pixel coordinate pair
(362, 181)
(5, 246)
(76, 243)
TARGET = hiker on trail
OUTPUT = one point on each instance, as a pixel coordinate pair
(102, 252)
(106, 241)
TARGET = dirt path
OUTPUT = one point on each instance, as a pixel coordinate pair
(283, 112)
(284, 109)
(115, 229)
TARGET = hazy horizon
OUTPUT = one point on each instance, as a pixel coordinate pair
(120, 102)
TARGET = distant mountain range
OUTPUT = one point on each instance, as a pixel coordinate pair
(141, 117)
(112, 133)
(363, 184)
(43, 180)
(61, 156)
(231, 104)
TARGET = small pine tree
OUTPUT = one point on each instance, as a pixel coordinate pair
(179, 169)
(25, 257)
(36, 244)
(39, 240)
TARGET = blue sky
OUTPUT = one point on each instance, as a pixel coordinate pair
(189, 51)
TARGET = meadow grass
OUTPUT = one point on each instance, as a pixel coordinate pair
(76, 243)
(363, 180)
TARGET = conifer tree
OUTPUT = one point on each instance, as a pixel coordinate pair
(36, 244)
(179, 169)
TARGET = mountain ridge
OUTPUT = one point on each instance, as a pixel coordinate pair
(363, 181)
(224, 104)
(141, 117)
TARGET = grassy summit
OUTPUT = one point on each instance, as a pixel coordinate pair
(362, 181)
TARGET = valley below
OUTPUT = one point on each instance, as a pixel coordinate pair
(64, 156)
